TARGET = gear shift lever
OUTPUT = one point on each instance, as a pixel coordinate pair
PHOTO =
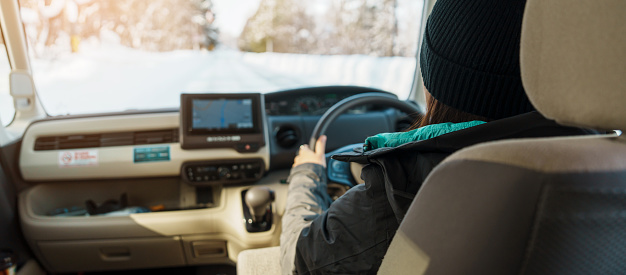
(258, 200)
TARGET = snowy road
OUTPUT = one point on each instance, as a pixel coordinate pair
(147, 81)
(124, 79)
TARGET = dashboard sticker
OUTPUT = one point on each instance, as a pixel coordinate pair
(78, 158)
(149, 154)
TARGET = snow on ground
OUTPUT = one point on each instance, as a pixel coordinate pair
(105, 78)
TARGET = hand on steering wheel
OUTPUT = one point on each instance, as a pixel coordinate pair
(306, 155)
(340, 175)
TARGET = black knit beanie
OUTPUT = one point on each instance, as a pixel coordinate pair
(470, 56)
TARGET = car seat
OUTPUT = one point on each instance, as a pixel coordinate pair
(536, 206)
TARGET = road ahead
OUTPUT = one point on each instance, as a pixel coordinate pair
(120, 79)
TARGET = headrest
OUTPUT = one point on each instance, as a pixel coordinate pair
(573, 61)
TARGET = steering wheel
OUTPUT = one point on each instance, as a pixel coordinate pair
(341, 172)
(357, 100)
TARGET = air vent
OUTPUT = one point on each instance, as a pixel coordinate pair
(46, 143)
(116, 139)
(151, 137)
(79, 141)
(287, 136)
(106, 140)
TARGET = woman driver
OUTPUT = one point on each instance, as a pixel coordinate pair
(470, 66)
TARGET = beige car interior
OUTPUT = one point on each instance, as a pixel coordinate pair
(530, 206)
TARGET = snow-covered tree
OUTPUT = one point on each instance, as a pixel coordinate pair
(361, 27)
(278, 26)
(155, 25)
(368, 27)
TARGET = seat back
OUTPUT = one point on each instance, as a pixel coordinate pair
(536, 206)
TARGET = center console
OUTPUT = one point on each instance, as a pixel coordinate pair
(226, 121)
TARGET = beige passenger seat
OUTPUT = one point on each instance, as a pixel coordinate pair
(537, 206)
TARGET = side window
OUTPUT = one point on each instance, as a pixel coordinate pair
(7, 110)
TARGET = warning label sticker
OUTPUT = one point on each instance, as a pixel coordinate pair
(78, 158)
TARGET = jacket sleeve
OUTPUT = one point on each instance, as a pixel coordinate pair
(352, 235)
(307, 198)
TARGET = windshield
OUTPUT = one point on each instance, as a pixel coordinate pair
(91, 56)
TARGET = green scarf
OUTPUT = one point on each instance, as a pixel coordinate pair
(426, 132)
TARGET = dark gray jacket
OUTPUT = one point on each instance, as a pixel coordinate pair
(351, 235)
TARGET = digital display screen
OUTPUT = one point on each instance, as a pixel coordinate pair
(216, 120)
(222, 114)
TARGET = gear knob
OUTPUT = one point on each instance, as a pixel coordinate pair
(258, 200)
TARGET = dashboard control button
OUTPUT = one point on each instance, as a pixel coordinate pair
(223, 172)
(247, 147)
(338, 166)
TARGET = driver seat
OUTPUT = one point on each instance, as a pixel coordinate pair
(536, 206)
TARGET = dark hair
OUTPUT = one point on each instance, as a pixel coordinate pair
(438, 112)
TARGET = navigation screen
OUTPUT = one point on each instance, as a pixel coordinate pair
(222, 114)
(215, 120)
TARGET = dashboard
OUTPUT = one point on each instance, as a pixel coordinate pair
(312, 101)
(191, 166)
